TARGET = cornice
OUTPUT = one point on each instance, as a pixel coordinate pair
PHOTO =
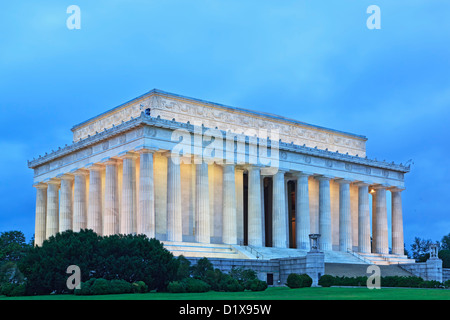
(158, 122)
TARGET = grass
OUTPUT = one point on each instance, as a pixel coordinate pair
(272, 293)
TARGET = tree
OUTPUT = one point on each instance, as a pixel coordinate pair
(445, 242)
(420, 247)
(12, 246)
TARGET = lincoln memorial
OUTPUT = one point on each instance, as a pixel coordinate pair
(213, 180)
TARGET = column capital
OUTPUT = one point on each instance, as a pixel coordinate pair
(343, 181)
(80, 172)
(40, 185)
(379, 186)
(65, 176)
(145, 149)
(323, 177)
(128, 155)
(396, 189)
(95, 166)
(110, 161)
(299, 174)
(54, 181)
(362, 183)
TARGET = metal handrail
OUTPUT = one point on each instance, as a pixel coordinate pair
(252, 250)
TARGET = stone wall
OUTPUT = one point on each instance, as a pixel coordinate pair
(311, 264)
(445, 274)
(429, 270)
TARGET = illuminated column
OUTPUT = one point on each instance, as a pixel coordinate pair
(174, 218)
(94, 216)
(363, 218)
(254, 207)
(302, 219)
(52, 223)
(324, 213)
(345, 218)
(128, 213)
(279, 211)
(397, 222)
(382, 245)
(66, 205)
(79, 200)
(239, 179)
(203, 223)
(111, 212)
(229, 232)
(146, 212)
(374, 219)
(41, 213)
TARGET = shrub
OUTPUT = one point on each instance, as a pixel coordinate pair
(102, 286)
(176, 287)
(243, 276)
(12, 289)
(295, 280)
(430, 284)
(258, 285)
(447, 284)
(326, 280)
(140, 287)
(196, 285)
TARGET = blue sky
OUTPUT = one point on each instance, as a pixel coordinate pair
(314, 61)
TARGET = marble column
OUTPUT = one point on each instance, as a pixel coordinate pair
(111, 211)
(128, 213)
(52, 221)
(254, 207)
(94, 216)
(279, 238)
(302, 219)
(345, 218)
(382, 245)
(324, 213)
(79, 200)
(174, 217)
(41, 214)
(146, 211)
(363, 218)
(66, 205)
(374, 219)
(239, 179)
(229, 232)
(397, 222)
(202, 205)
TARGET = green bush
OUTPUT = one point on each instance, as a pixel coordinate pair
(243, 276)
(295, 280)
(102, 286)
(12, 289)
(196, 285)
(140, 287)
(447, 284)
(258, 285)
(326, 280)
(430, 284)
(176, 287)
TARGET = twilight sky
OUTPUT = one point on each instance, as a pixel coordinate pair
(313, 61)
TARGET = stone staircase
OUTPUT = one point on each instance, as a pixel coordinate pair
(383, 259)
(355, 270)
(210, 250)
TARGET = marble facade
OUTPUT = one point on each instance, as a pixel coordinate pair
(124, 173)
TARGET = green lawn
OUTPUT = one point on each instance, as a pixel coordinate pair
(272, 293)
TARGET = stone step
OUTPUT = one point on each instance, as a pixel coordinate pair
(355, 270)
(210, 250)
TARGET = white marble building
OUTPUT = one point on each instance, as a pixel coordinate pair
(230, 184)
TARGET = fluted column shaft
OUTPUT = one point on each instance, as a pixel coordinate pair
(79, 201)
(254, 207)
(397, 223)
(302, 219)
(65, 206)
(382, 245)
(111, 212)
(324, 213)
(374, 221)
(279, 239)
(202, 205)
(146, 212)
(41, 214)
(94, 216)
(363, 219)
(174, 218)
(52, 222)
(345, 222)
(128, 213)
(239, 179)
(229, 232)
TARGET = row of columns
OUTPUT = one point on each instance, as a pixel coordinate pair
(137, 212)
